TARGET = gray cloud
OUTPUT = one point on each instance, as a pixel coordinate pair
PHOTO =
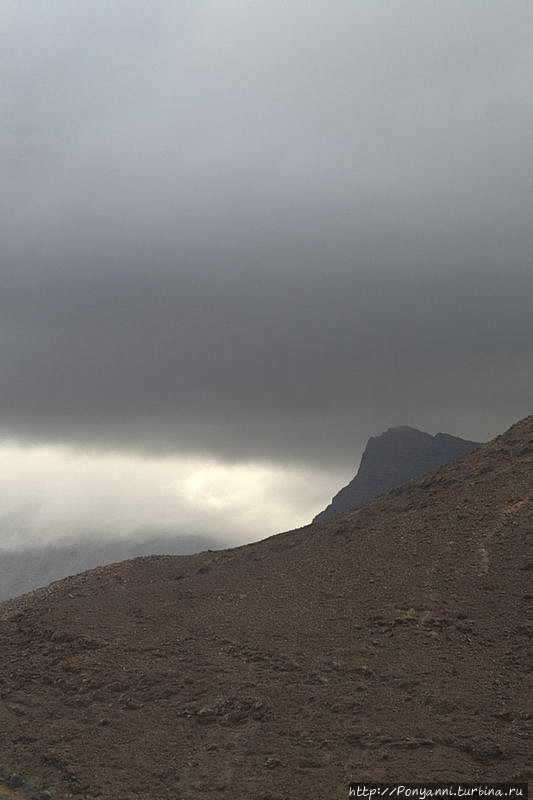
(260, 231)
(58, 495)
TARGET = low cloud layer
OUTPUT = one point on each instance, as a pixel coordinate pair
(57, 495)
(256, 233)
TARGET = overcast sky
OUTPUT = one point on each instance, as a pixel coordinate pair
(239, 238)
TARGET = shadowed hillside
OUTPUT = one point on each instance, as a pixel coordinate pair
(387, 643)
(398, 455)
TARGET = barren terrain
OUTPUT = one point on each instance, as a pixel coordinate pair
(386, 643)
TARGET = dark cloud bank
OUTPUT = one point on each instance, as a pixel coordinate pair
(264, 232)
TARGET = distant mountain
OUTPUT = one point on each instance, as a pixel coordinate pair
(397, 456)
(24, 570)
(389, 643)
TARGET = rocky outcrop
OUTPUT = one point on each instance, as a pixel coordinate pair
(397, 456)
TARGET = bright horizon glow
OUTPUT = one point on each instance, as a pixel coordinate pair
(53, 494)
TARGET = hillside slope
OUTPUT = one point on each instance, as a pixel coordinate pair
(396, 456)
(24, 570)
(388, 643)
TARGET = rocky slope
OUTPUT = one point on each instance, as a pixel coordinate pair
(398, 455)
(388, 643)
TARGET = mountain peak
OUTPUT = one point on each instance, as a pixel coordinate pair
(401, 430)
(396, 456)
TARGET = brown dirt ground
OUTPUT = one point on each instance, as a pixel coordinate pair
(389, 643)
